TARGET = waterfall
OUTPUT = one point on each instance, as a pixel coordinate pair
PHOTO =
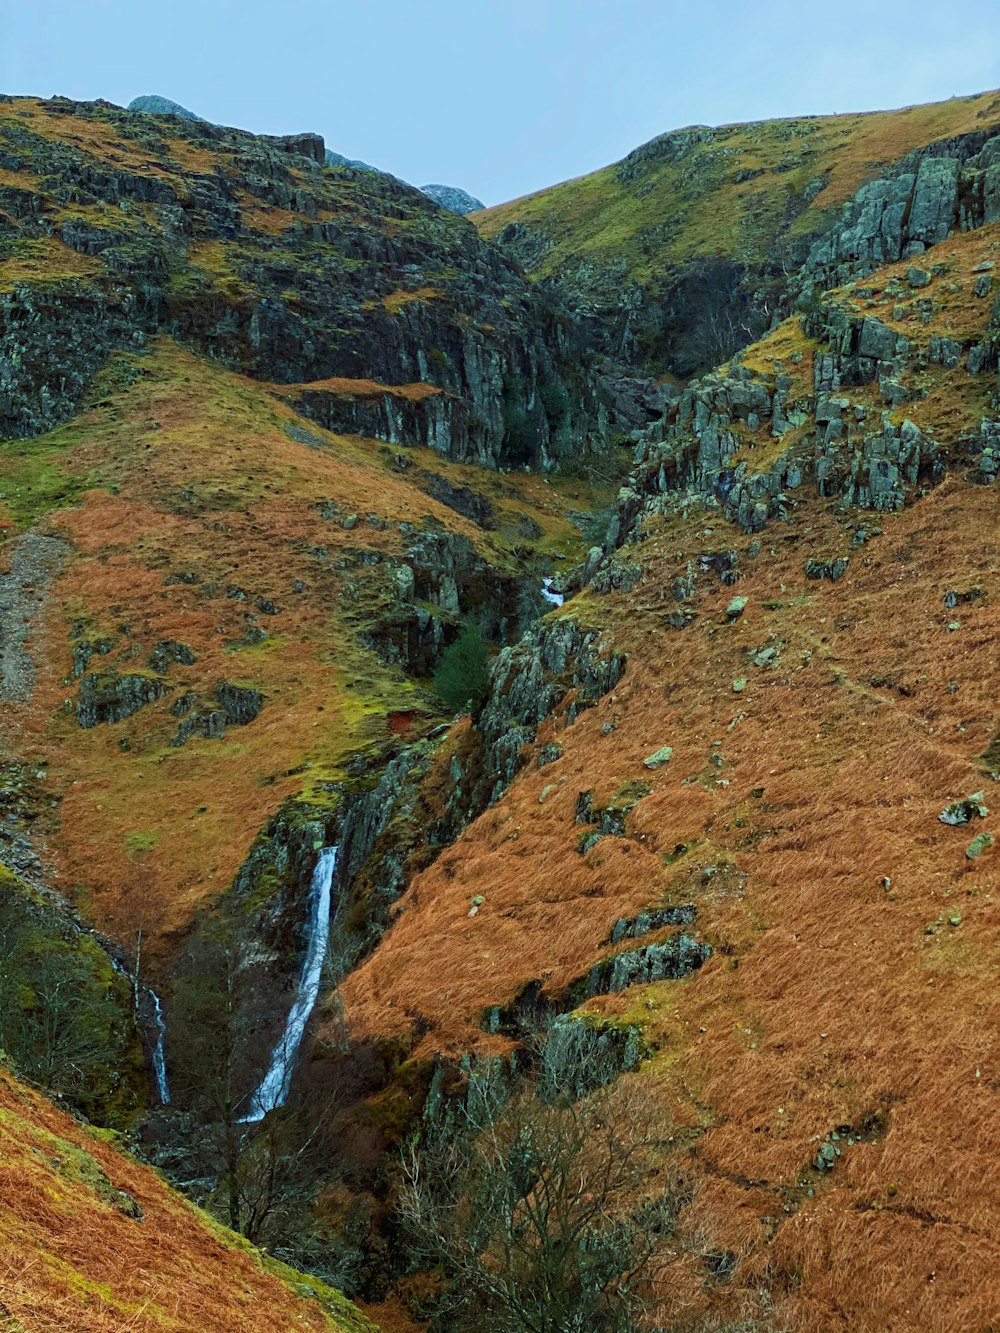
(273, 1088)
(553, 598)
(159, 1058)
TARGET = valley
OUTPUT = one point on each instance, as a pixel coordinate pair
(475, 684)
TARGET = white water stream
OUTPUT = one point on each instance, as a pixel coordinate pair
(159, 1057)
(553, 598)
(273, 1088)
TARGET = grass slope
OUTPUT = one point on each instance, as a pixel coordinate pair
(90, 1240)
(733, 194)
(851, 997)
(189, 497)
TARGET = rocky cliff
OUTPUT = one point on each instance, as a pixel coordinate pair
(684, 251)
(118, 227)
(449, 197)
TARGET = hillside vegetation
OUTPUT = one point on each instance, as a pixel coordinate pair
(93, 1241)
(656, 988)
(683, 250)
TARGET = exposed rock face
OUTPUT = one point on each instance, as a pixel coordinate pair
(236, 706)
(332, 159)
(449, 197)
(875, 458)
(680, 254)
(111, 697)
(954, 184)
(674, 958)
(452, 198)
(529, 679)
(442, 582)
(362, 279)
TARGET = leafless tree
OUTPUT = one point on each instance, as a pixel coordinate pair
(545, 1214)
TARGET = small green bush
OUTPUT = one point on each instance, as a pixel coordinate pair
(461, 676)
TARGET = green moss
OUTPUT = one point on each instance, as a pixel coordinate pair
(66, 1018)
(140, 842)
(35, 477)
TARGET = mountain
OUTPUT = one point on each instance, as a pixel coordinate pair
(155, 105)
(452, 198)
(682, 252)
(453, 847)
(333, 159)
(448, 197)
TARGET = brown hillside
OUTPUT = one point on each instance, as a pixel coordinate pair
(855, 943)
(180, 486)
(93, 1242)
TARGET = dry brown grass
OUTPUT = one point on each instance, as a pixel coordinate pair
(192, 471)
(348, 388)
(73, 1262)
(827, 1001)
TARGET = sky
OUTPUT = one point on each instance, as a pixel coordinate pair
(501, 97)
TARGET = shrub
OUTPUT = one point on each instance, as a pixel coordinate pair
(461, 678)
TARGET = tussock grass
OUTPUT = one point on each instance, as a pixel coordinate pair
(827, 1002)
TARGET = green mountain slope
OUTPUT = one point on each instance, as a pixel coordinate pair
(682, 251)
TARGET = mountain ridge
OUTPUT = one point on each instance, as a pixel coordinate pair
(450, 197)
(680, 253)
(295, 466)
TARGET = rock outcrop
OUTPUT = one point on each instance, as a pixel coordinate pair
(682, 253)
(154, 105)
(281, 270)
(452, 198)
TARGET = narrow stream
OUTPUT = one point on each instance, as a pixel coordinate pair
(159, 1056)
(273, 1088)
(551, 596)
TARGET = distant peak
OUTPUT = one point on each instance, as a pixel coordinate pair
(452, 198)
(154, 105)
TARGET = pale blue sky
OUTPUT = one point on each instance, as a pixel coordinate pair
(499, 96)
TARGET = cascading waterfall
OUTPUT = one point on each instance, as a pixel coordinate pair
(159, 1056)
(272, 1091)
(553, 598)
